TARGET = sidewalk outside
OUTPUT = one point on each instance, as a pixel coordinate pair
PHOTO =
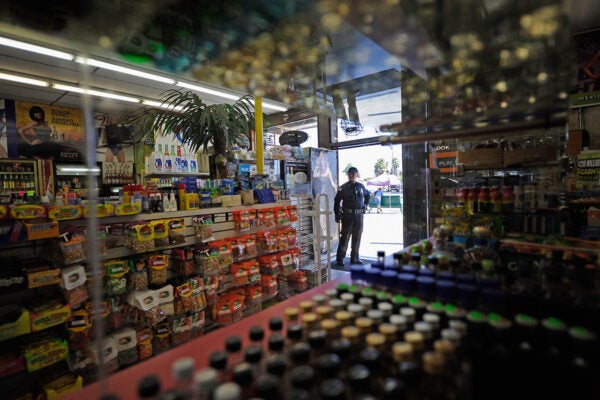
(380, 232)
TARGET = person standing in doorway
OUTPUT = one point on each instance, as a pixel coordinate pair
(377, 196)
(349, 206)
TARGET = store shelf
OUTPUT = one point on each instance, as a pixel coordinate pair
(164, 174)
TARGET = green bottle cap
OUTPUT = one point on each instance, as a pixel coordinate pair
(527, 320)
(579, 332)
(342, 286)
(367, 291)
(476, 316)
(381, 295)
(398, 299)
(414, 301)
(554, 324)
(436, 306)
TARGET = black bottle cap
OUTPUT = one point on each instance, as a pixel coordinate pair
(300, 353)
(332, 389)
(393, 389)
(276, 323)
(276, 342)
(149, 386)
(256, 333)
(233, 343)
(302, 377)
(253, 354)
(359, 376)
(415, 257)
(317, 339)
(268, 387)
(294, 331)
(109, 396)
(341, 347)
(370, 357)
(242, 374)
(171, 394)
(276, 364)
(329, 365)
(218, 360)
(298, 394)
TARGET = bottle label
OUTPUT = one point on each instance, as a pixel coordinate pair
(168, 165)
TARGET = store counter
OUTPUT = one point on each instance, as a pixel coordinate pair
(124, 383)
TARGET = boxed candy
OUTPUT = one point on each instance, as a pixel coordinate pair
(14, 321)
(45, 352)
(46, 315)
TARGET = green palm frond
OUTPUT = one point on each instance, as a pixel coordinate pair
(201, 125)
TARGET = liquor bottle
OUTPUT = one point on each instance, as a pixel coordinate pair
(268, 387)
(233, 347)
(205, 382)
(228, 391)
(183, 377)
(218, 361)
(149, 388)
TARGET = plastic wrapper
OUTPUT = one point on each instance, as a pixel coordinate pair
(76, 297)
(161, 233)
(144, 343)
(203, 228)
(181, 330)
(157, 268)
(161, 340)
(177, 231)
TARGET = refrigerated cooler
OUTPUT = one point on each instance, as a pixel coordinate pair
(73, 178)
(20, 178)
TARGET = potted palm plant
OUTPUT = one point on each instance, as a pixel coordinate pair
(202, 126)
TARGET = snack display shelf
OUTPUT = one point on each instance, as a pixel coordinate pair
(124, 383)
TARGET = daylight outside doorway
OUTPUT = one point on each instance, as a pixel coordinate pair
(382, 231)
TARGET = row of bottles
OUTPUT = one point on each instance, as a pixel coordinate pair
(175, 161)
(14, 182)
(356, 342)
(567, 282)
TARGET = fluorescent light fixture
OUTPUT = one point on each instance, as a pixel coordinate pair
(22, 79)
(35, 49)
(226, 95)
(116, 68)
(123, 70)
(158, 104)
(79, 171)
(273, 106)
(203, 89)
(96, 93)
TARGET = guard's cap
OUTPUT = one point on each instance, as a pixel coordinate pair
(352, 169)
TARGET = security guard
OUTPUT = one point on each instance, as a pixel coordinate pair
(349, 205)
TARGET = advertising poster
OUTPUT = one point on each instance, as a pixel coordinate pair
(49, 132)
(586, 90)
(588, 170)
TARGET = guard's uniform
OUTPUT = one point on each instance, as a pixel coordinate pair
(349, 205)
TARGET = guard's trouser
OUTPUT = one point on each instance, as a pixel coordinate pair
(352, 225)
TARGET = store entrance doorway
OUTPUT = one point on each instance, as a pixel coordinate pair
(378, 167)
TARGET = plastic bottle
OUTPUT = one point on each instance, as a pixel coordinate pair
(167, 161)
(172, 202)
(166, 205)
(178, 160)
(158, 160)
(182, 196)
